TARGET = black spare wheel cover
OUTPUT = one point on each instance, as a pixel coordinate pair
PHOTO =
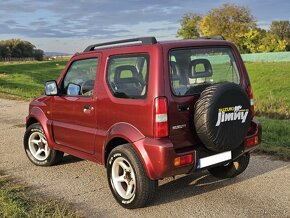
(222, 116)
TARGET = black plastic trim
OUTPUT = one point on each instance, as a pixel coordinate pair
(212, 37)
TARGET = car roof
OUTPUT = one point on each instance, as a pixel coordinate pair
(168, 43)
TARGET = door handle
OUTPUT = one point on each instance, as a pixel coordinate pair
(88, 108)
(183, 107)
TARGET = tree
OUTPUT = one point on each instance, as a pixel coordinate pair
(27, 49)
(237, 24)
(38, 55)
(5, 50)
(20, 49)
(259, 40)
(271, 43)
(189, 26)
(230, 21)
(251, 40)
(281, 29)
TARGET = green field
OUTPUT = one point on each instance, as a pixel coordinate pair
(270, 82)
(271, 85)
(26, 80)
(275, 138)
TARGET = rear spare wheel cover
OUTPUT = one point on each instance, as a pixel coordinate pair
(222, 116)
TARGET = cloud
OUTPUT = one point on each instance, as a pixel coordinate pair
(19, 6)
(4, 28)
(84, 18)
(10, 22)
(152, 30)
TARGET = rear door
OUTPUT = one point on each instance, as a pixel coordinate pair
(191, 70)
(73, 112)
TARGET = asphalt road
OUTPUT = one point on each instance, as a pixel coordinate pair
(263, 190)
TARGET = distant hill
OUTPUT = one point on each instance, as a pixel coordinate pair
(56, 54)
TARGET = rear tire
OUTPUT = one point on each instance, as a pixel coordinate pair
(232, 169)
(37, 148)
(127, 178)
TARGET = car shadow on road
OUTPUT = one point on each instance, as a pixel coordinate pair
(68, 159)
(187, 186)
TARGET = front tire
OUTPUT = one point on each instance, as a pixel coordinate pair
(127, 178)
(232, 169)
(37, 149)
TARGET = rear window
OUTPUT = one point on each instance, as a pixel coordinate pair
(193, 69)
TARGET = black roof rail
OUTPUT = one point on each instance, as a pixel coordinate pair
(212, 37)
(143, 40)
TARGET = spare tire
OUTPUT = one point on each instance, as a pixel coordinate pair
(222, 116)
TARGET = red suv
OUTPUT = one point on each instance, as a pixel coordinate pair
(148, 110)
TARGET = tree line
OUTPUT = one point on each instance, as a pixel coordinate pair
(237, 24)
(17, 48)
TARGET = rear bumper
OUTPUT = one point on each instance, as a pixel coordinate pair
(158, 155)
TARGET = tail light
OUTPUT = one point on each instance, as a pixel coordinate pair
(250, 94)
(250, 142)
(160, 117)
(183, 160)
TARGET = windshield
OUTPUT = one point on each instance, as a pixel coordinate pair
(193, 69)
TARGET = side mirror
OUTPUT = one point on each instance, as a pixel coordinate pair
(51, 88)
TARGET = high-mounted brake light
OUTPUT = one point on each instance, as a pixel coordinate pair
(251, 97)
(160, 117)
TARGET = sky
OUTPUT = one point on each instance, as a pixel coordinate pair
(71, 25)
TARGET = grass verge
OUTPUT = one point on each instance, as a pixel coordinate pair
(270, 82)
(26, 80)
(15, 201)
(275, 138)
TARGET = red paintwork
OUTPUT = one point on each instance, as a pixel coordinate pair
(86, 134)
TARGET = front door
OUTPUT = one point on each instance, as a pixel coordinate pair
(73, 111)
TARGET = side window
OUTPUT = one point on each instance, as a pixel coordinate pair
(127, 76)
(80, 78)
